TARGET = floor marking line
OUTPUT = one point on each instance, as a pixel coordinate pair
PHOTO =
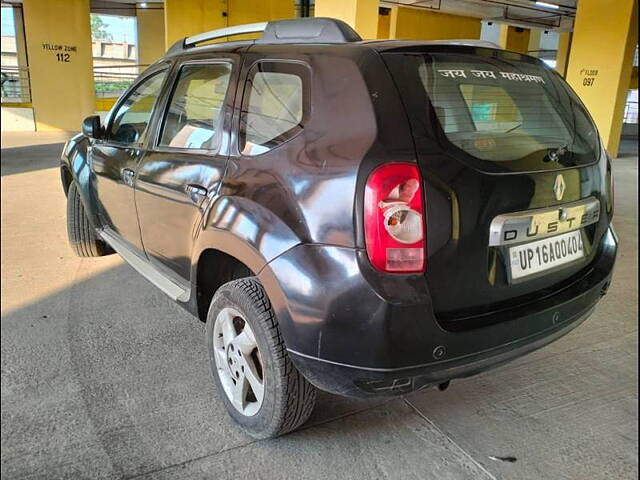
(464, 452)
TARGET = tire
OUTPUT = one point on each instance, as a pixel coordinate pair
(287, 397)
(82, 236)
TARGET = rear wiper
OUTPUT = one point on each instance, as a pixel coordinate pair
(554, 154)
(513, 128)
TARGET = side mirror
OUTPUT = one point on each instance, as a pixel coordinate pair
(91, 127)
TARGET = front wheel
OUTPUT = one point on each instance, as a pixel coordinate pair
(260, 387)
(82, 236)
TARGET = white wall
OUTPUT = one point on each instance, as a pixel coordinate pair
(17, 119)
(549, 41)
(490, 33)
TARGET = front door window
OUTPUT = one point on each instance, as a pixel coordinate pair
(193, 117)
(131, 119)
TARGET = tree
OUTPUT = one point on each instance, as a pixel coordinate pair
(99, 29)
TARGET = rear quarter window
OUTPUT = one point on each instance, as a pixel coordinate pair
(275, 105)
(193, 116)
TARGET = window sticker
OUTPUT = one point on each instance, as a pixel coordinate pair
(514, 76)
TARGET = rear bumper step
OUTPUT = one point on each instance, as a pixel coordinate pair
(361, 382)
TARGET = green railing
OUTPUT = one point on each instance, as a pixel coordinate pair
(110, 81)
(15, 84)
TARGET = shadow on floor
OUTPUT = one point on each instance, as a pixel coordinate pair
(27, 159)
(110, 375)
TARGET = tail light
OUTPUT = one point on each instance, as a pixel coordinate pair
(394, 219)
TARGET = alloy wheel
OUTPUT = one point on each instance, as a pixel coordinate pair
(238, 361)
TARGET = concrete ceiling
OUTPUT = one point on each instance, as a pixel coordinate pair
(134, 2)
(528, 13)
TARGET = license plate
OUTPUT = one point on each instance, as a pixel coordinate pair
(546, 254)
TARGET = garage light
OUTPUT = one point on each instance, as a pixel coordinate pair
(143, 5)
(547, 5)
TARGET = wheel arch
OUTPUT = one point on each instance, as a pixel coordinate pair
(213, 269)
(75, 167)
(67, 177)
(237, 236)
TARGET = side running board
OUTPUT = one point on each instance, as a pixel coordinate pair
(146, 269)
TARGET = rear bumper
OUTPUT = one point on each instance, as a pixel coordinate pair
(359, 382)
(352, 331)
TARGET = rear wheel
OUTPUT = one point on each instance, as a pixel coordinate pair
(260, 387)
(82, 236)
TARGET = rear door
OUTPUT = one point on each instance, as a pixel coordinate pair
(114, 159)
(509, 157)
(182, 170)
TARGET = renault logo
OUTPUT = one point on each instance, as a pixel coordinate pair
(559, 187)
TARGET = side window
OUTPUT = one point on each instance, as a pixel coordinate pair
(192, 118)
(132, 118)
(274, 107)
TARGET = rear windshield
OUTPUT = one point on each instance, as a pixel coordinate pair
(497, 107)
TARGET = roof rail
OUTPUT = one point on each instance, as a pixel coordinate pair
(225, 32)
(297, 30)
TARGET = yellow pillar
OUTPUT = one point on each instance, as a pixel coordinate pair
(252, 11)
(362, 15)
(515, 39)
(534, 42)
(58, 36)
(183, 18)
(605, 36)
(421, 24)
(562, 57)
(151, 44)
(384, 24)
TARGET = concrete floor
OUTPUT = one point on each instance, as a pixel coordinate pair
(104, 377)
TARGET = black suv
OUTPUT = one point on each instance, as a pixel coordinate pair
(364, 217)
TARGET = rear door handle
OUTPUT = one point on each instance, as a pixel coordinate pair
(127, 176)
(196, 193)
